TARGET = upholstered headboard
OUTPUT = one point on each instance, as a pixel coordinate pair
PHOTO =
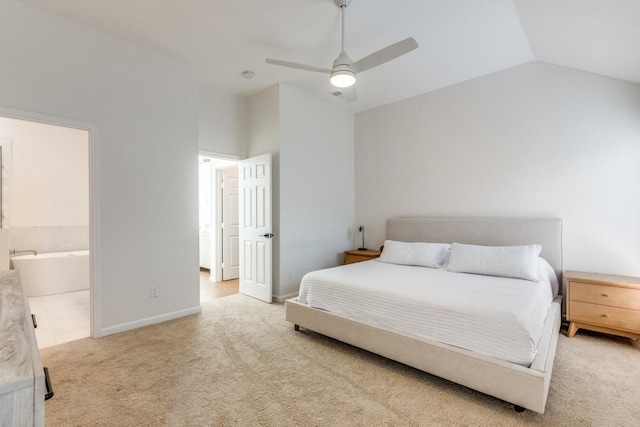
(484, 231)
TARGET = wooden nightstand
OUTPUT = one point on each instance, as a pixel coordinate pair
(603, 303)
(358, 256)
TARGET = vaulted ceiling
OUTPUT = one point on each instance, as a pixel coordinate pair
(459, 39)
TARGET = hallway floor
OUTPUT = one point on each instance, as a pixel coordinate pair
(212, 290)
(66, 317)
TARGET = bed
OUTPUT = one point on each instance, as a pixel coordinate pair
(522, 378)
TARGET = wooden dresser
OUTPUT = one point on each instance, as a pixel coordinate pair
(603, 303)
(358, 256)
(22, 378)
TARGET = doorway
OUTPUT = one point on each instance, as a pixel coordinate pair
(218, 226)
(46, 209)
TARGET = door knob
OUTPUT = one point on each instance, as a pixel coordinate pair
(268, 235)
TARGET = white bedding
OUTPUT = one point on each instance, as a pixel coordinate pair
(497, 316)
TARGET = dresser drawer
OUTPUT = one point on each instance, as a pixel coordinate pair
(612, 317)
(22, 381)
(605, 295)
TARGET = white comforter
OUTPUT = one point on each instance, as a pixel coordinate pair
(496, 316)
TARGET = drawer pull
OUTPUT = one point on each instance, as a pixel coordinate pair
(47, 381)
(604, 295)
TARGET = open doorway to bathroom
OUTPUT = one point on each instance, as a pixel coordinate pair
(218, 228)
(45, 223)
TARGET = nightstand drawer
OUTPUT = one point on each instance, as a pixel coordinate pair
(358, 256)
(619, 318)
(350, 259)
(605, 295)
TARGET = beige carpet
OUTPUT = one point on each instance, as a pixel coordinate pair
(238, 363)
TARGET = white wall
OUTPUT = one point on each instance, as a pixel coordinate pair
(317, 190)
(313, 180)
(49, 174)
(222, 122)
(264, 122)
(536, 140)
(145, 109)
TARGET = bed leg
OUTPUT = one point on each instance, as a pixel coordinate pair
(518, 408)
(296, 327)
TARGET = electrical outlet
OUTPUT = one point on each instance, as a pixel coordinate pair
(154, 292)
(289, 275)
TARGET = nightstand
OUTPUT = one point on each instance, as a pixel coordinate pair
(358, 256)
(603, 303)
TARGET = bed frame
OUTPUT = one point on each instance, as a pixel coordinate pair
(524, 387)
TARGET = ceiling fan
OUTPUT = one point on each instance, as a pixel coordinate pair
(344, 70)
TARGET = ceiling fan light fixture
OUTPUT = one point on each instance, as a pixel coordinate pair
(343, 77)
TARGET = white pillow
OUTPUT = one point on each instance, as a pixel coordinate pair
(413, 253)
(545, 270)
(520, 262)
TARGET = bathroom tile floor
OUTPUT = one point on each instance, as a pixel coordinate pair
(65, 317)
(61, 317)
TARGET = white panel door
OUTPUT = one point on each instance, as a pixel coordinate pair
(230, 224)
(255, 227)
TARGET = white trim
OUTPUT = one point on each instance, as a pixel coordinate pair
(149, 321)
(94, 200)
(94, 230)
(215, 267)
(216, 229)
(221, 156)
(285, 297)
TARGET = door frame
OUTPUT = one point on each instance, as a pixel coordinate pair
(216, 196)
(95, 264)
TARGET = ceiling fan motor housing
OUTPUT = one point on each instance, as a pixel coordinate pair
(343, 60)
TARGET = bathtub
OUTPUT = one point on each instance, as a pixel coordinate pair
(53, 273)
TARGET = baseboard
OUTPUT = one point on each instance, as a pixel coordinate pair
(148, 321)
(283, 298)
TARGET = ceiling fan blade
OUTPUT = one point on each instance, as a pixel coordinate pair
(298, 66)
(386, 54)
(350, 94)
